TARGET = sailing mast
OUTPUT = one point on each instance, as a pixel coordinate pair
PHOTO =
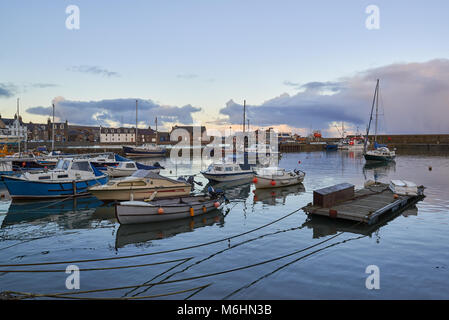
(377, 112)
(53, 130)
(136, 122)
(156, 132)
(18, 124)
(371, 117)
(244, 113)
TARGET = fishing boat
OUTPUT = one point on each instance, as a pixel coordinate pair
(132, 212)
(127, 168)
(145, 150)
(71, 177)
(380, 154)
(273, 177)
(225, 171)
(140, 185)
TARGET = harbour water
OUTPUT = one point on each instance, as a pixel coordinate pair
(259, 246)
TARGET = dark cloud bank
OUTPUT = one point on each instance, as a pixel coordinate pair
(414, 97)
(88, 112)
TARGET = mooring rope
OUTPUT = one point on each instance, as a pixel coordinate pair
(100, 269)
(157, 252)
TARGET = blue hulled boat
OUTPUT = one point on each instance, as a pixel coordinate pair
(71, 177)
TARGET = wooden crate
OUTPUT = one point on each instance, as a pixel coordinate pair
(327, 197)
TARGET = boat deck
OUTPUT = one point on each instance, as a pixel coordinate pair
(367, 205)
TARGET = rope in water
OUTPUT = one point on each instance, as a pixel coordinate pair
(26, 295)
(157, 252)
(98, 269)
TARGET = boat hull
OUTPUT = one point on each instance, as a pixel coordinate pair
(132, 152)
(263, 183)
(228, 177)
(26, 189)
(378, 158)
(140, 193)
(133, 214)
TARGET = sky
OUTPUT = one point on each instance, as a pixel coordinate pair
(300, 65)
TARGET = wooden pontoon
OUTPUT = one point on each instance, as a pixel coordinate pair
(366, 205)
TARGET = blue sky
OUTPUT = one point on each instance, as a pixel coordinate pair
(198, 55)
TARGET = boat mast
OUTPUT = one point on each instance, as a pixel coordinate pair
(53, 130)
(156, 131)
(244, 112)
(371, 118)
(136, 122)
(18, 124)
(377, 111)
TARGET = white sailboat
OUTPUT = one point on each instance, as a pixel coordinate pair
(382, 154)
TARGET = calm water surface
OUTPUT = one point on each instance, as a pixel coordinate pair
(294, 258)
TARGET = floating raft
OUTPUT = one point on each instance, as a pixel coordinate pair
(365, 205)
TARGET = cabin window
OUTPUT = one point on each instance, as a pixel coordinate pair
(218, 169)
(63, 176)
(139, 183)
(65, 165)
(124, 184)
(81, 166)
(228, 169)
(130, 165)
(44, 177)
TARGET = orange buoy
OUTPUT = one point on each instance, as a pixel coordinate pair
(160, 211)
(204, 209)
(333, 213)
(255, 180)
(191, 212)
(273, 183)
(216, 204)
(395, 196)
(256, 198)
(23, 164)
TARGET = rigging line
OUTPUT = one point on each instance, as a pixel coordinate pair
(158, 275)
(204, 275)
(27, 295)
(219, 252)
(157, 252)
(101, 269)
(288, 264)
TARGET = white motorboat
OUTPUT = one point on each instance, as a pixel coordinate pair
(132, 212)
(273, 177)
(224, 171)
(125, 169)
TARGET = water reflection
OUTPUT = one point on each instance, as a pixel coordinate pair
(142, 234)
(378, 170)
(274, 196)
(69, 213)
(233, 190)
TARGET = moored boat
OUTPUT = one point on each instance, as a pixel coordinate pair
(127, 168)
(273, 177)
(146, 150)
(224, 171)
(132, 212)
(140, 185)
(71, 177)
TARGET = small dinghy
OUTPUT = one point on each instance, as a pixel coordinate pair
(132, 212)
(404, 188)
(273, 177)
